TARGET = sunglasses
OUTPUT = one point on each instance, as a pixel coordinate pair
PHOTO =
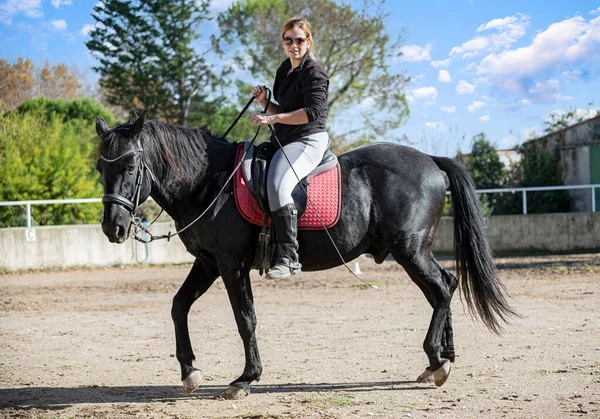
(297, 41)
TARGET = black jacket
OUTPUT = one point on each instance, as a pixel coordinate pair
(304, 88)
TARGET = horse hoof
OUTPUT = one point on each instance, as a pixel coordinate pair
(426, 377)
(441, 374)
(236, 393)
(192, 382)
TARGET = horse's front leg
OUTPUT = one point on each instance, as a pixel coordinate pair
(242, 302)
(200, 278)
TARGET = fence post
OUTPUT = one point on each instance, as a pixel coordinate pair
(28, 215)
(524, 202)
(593, 199)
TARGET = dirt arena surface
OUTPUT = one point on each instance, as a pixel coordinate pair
(100, 343)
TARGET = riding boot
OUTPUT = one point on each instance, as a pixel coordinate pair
(285, 223)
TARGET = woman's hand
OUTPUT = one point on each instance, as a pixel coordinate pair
(262, 119)
(260, 94)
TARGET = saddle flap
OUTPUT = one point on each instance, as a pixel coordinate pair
(261, 158)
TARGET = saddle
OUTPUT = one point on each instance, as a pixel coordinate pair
(250, 191)
(255, 171)
(323, 185)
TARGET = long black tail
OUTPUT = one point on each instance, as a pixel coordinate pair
(482, 289)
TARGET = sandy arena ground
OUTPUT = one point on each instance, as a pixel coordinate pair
(100, 343)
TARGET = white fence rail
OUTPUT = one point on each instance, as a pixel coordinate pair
(591, 187)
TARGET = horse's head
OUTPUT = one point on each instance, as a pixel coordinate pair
(126, 178)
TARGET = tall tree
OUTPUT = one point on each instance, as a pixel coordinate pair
(484, 163)
(352, 45)
(21, 81)
(488, 172)
(146, 54)
(58, 82)
(16, 82)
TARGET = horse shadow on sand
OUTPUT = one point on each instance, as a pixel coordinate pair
(57, 398)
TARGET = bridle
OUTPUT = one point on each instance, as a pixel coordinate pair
(141, 170)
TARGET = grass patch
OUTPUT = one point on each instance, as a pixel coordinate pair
(340, 400)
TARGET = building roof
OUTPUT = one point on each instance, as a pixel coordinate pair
(595, 118)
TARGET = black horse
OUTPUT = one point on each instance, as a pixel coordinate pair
(392, 202)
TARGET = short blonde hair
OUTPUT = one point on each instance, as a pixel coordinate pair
(299, 22)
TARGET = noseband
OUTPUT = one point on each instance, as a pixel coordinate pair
(142, 168)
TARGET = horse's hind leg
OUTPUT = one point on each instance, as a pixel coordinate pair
(200, 278)
(438, 286)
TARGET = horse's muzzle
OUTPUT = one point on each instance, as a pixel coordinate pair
(115, 224)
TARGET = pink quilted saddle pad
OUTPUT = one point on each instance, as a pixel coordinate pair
(325, 191)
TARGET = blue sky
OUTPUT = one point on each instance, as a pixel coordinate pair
(476, 65)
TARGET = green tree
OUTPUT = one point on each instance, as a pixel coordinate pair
(484, 163)
(541, 168)
(86, 109)
(47, 150)
(352, 45)
(486, 169)
(147, 58)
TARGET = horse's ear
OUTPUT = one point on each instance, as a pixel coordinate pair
(101, 126)
(138, 124)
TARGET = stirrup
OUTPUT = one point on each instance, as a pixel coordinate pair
(281, 271)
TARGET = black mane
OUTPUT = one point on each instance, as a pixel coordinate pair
(166, 147)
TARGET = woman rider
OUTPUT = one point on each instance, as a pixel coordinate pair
(300, 89)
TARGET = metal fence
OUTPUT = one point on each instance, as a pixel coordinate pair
(592, 188)
(524, 191)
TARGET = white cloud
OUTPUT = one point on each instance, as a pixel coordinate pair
(526, 101)
(573, 41)
(220, 5)
(529, 133)
(10, 8)
(484, 118)
(59, 25)
(442, 63)
(444, 76)
(582, 114)
(448, 109)
(366, 104)
(547, 92)
(508, 31)
(464, 88)
(416, 53)
(419, 77)
(475, 106)
(571, 75)
(58, 3)
(508, 142)
(410, 98)
(429, 93)
(87, 28)
(438, 125)
(595, 11)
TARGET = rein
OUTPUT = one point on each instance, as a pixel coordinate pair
(136, 221)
